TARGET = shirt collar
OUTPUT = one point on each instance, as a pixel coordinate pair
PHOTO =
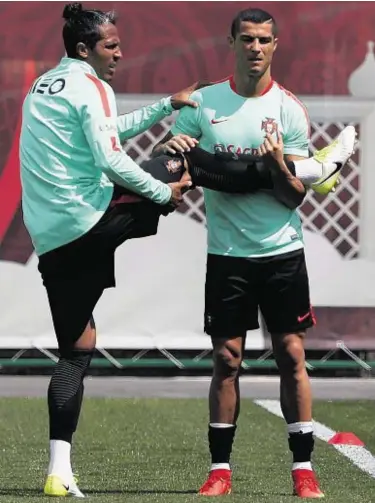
(78, 63)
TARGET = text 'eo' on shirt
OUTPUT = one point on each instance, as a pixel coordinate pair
(252, 224)
(70, 153)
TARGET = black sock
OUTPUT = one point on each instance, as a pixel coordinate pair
(226, 171)
(301, 445)
(262, 167)
(222, 171)
(65, 394)
(220, 441)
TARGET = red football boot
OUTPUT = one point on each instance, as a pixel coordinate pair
(219, 483)
(305, 484)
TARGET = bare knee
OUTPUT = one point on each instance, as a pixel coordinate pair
(87, 340)
(289, 353)
(227, 360)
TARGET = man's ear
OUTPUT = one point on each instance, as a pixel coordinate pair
(275, 46)
(82, 50)
(231, 41)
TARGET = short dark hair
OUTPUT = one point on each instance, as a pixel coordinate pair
(83, 26)
(257, 16)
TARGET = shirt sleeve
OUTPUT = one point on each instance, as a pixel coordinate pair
(296, 128)
(134, 123)
(189, 119)
(98, 114)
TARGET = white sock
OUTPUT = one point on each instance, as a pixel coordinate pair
(308, 171)
(301, 427)
(59, 463)
(221, 425)
(220, 466)
(306, 465)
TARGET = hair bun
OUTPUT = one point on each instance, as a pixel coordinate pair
(72, 11)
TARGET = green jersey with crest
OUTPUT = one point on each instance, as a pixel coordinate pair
(255, 224)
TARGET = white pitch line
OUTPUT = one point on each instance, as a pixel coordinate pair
(358, 455)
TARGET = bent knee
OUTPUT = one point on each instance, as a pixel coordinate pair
(87, 340)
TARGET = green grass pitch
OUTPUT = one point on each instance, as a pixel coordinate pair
(155, 450)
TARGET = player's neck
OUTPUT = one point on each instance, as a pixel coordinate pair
(251, 87)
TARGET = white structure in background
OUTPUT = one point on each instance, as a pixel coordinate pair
(159, 299)
(361, 82)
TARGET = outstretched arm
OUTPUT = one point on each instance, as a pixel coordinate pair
(139, 121)
(98, 113)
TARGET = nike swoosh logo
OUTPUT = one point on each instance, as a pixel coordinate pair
(338, 167)
(218, 121)
(65, 487)
(304, 317)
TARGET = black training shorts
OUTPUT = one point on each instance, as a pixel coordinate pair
(76, 274)
(236, 288)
